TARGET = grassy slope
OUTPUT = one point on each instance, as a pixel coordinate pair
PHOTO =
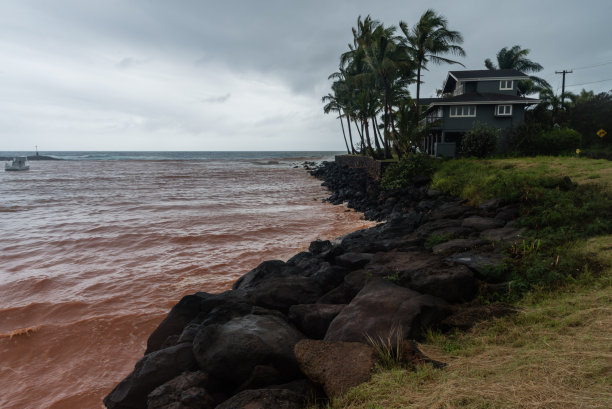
(555, 353)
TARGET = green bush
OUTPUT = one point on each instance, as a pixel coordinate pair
(522, 139)
(401, 174)
(479, 142)
(557, 142)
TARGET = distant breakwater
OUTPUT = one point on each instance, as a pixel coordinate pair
(288, 331)
(31, 158)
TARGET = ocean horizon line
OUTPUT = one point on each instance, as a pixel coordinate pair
(174, 155)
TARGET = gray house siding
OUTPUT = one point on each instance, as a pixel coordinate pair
(493, 87)
(485, 114)
(470, 86)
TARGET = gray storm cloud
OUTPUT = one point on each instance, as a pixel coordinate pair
(124, 75)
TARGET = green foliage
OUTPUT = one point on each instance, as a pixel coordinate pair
(557, 141)
(479, 180)
(522, 139)
(400, 174)
(480, 141)
(590, 114)
(389, 347)
(394, 278)
(555, 212)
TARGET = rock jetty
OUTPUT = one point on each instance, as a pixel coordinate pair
(292, 332)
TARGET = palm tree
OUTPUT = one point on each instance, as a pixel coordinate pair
(334, 105)
(359, 63)
(342, 93)
(516, 58)
(386, 65)
(551, 103)
(428, 41)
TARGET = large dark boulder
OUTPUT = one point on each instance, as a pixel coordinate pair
(452, 210)
(458, 245)
(427, 229)
(271, 269)
(353, 261)
(489, 266)
(193, 311)
(314, 319)
(480, 223)
(278, 285)
(382, 307)
(230, 352)
(320, 246)
(282, 293)
(178, 317)
(264, 399)
(151, 371)
(186, 391)
(337, 295)
(451, 282)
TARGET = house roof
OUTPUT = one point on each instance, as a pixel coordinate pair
(478, 98)
(476, 75)
(485, 74)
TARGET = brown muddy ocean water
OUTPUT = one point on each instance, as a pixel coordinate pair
(93, 254)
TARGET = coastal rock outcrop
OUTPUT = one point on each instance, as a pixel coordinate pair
(381, 307)
(186, 391)
(286, 322)
(264, 398)
(151, 371)
(231, 353)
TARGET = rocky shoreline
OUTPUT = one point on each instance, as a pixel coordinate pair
(298, 331)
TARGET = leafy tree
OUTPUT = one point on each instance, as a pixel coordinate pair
(516, 58)
(428, 40)
(589, 115)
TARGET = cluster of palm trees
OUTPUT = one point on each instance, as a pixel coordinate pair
(370, 89)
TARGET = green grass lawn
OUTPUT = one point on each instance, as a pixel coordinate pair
(556, 352)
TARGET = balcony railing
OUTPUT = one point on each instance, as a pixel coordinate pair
(433, 121)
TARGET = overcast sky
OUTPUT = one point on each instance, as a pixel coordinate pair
(240, 75)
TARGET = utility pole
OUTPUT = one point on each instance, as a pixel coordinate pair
(563, 86)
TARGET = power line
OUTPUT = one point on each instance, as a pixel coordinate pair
(592, 82)
(593, 66)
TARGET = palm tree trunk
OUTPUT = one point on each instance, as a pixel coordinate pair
(344, 134)
(377, 130)
(348, 124)
(386, 130)
(388, 114)
(367, 132)
(360, 132)
(418, 96)
(394, 133)
(378, 150)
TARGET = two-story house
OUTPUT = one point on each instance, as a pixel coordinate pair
(490, 97)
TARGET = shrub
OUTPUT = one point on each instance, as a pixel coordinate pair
(480, 141)
(401, 174)
(557, 141)
(521, 140)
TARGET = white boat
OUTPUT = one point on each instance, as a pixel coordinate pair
(18, 163)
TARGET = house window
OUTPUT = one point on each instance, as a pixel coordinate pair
(503, 110)
(462, 110)
(506, 84)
